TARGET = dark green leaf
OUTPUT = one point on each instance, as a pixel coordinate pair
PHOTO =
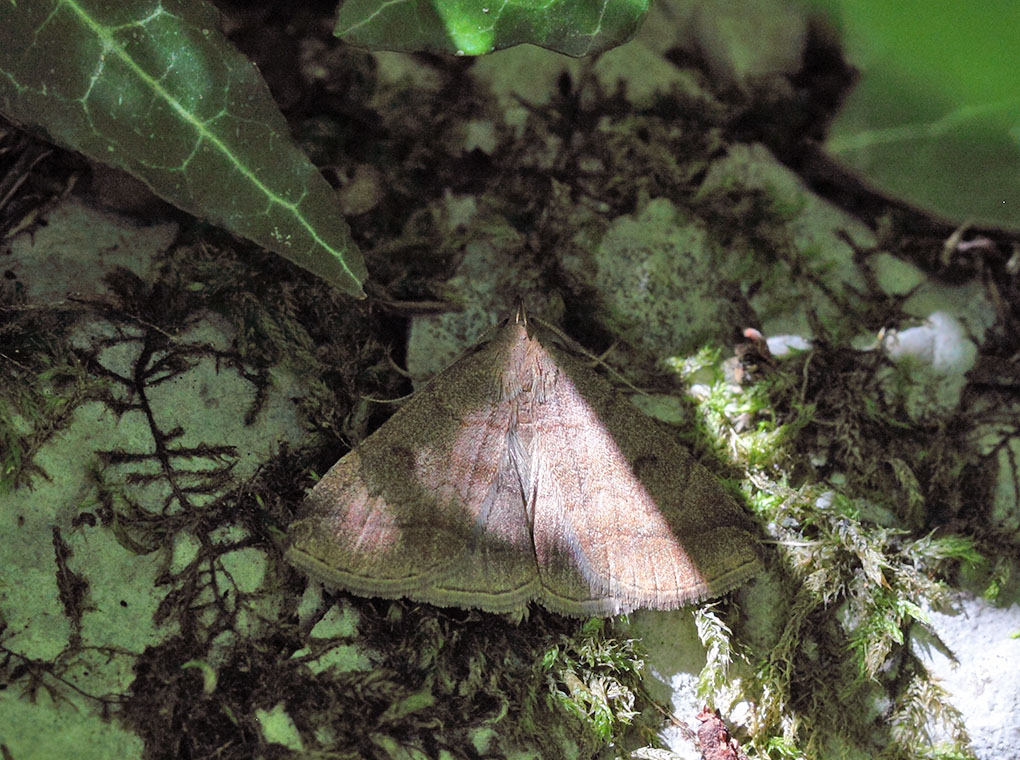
(476, 27)
(152, 87)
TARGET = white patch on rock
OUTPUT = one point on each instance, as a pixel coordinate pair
(940, 354)
(983, 681)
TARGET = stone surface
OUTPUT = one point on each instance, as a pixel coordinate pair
(662, 283)
(895, 276)
(278, 727)
(675, 658)
(643, 74)
(1005, 514)
(120, 456)
(43, 729)
(491, 275)
(823, 236)
(78, 243)
(984, 640)
(746, 42)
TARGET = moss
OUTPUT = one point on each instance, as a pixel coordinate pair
(860, 552)
(596, 678)
(42, 381)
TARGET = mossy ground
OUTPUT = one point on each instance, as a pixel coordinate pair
(868, 512)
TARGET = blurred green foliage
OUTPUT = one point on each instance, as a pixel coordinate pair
(935, 116)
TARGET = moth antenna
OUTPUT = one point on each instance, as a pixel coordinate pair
(521, 314)
(597, 360)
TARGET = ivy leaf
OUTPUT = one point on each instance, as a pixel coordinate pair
(477, 27)
(152, 87)
(934, 118)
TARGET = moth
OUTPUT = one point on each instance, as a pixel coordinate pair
(520, 475)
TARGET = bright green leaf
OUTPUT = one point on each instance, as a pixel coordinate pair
(476, 27)
(935, 116)
(152, 87)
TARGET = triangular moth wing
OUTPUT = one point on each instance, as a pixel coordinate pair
(624, 517)
(399, 513)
